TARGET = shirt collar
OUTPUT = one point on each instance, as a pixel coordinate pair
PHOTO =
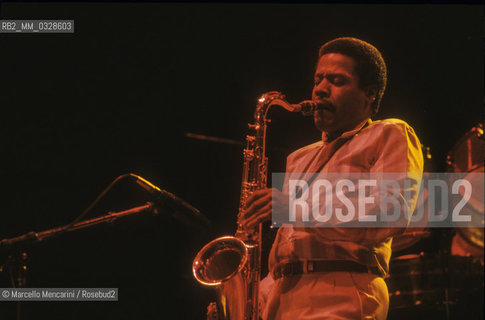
(348, 134)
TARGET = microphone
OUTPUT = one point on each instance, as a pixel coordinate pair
(180, 209)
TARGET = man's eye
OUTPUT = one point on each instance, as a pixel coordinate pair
(317, 80)
(338, 81)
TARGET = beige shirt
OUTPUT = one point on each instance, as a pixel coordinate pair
(387, 146)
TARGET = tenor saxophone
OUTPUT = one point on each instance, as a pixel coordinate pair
(232, 264)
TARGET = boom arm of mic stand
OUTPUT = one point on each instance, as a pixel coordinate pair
(43, 235)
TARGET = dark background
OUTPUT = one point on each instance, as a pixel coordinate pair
(120, 94)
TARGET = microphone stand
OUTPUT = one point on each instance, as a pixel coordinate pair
(43, 235)
(18, 261)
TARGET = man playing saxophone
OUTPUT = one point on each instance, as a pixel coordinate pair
(337, 272)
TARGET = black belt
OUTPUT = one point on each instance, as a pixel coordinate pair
(298, 267)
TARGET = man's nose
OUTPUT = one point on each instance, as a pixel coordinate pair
(322, 89)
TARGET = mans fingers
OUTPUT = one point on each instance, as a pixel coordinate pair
(264, 215)
(261, 193)
(256, 206)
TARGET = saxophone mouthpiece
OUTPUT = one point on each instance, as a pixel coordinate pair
(306, 107)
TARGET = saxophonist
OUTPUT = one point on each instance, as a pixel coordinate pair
(337, 272)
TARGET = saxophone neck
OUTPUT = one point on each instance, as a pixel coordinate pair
(306, 107)
(268, 100)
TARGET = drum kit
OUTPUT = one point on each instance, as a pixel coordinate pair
(438, 273)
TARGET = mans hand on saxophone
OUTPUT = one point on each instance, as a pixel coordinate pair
(261, 205)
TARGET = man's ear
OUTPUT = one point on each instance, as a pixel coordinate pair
(371, 93)
(371, 96)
